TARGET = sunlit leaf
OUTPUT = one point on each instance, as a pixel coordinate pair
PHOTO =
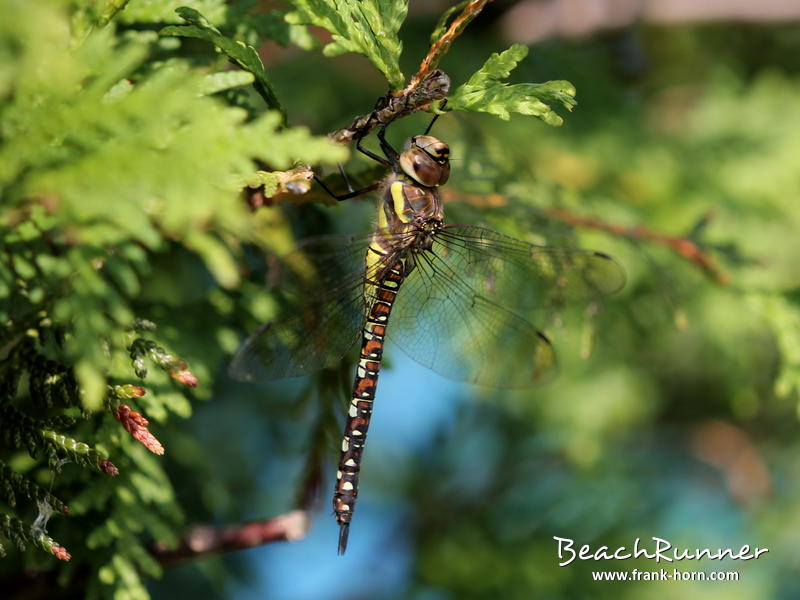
(486, 91)
(225, 80)
(368, 27)
(243, 55)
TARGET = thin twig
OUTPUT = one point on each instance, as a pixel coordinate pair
(440, 47)
(292, 184)
(684, 247)
(434, 87)
(207, 539)
(428, 85)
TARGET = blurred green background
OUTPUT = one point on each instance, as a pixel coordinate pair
(676, 410)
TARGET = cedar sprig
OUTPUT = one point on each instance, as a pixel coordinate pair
(13, 484)
(21, 535)
(13, 367)
(81, 453)
(175, 367)
(120, 393)
(20, 430)
(442, 41)
(52, 383)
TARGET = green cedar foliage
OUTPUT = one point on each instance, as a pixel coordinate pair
(243, 55)
(117, 153)
(371, 28)
(486, 92)
(368, 27)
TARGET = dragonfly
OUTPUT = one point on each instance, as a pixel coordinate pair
(454, 295)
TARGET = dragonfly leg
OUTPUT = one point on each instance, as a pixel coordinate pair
(350, 194)
(370, 153)
(384, 161)
(436, 116)
(390, 152)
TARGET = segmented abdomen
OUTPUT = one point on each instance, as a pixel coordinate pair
(382, 296)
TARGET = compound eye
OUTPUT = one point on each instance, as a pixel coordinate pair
(421, 165)
(426, 171)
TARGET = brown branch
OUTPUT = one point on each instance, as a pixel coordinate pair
(292, 186)
(440, 47)
(428, 85)
(684, 247)
(206, 539)
(434, 87)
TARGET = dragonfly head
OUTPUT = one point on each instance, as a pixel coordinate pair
(426, 160)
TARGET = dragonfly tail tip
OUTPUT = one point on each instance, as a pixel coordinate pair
(344, 531)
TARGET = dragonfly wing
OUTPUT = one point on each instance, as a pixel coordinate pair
(444, 324)
(317, 335)
(326, 274)
(526, 276)
(450, 314)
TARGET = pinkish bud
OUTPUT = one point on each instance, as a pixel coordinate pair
(60, 553)
(109, 468)
(136, 425)
(184, 376)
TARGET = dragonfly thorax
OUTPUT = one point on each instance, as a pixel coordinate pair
(426, 160)
(425, 231)
(409, 209)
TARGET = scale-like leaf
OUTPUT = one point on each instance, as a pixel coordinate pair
(243, 55)
(163, 11)
(487, 92)
(368, 27)
(224, 80)
(270, 24)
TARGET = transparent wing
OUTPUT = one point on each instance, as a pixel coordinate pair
(443, 324)
(450, 314)
(326, 274)
(522, 275)
(316, 336)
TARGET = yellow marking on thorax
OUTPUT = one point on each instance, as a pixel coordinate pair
(383, 224)
(399, 201)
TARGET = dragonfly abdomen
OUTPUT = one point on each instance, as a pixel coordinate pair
(360, 412)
